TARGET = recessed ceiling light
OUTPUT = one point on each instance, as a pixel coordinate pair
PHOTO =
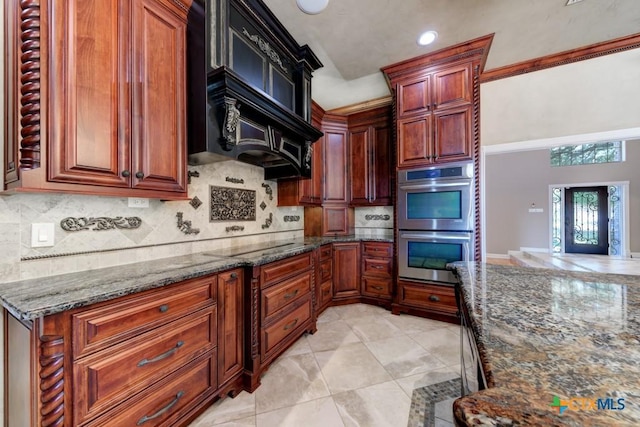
(312, 7)
(427, 37)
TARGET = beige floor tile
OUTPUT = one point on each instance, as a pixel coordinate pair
(402, 356)
(352, 311)
(299, 347)
(332, 335)
(350, 367)
(290, 380)
(316, 413)
(329, 315)
(225, 410)
(441, 423)
(244, 422)
(424, 379)
(444, 410)
(373, 328)
(380, 405)
(442, 343)
(414, 325)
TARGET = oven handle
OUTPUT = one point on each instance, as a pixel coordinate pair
(439, 236)
(466, 183)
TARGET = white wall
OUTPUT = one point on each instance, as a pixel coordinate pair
(596, 95)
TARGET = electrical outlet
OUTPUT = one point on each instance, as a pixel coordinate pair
(138, 202)
(536, 210)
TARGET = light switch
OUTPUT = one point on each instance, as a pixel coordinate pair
(42, 234)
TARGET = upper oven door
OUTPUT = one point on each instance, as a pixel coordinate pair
(436, 205)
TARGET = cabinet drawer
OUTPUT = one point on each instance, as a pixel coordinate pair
(377, 249)
(380, 267)
(107, 377)
(325, 293)
(325, 269)
(279, 270)
(285, 327)
(106, 325)
(275, 298)
(165, 402)
(325, 252)
(376, 287)
(432, 297)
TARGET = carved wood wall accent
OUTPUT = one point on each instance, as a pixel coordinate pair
(52, 380)
(587, 52)
(30, 84)
(477, 248)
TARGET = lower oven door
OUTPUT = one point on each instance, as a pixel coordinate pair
(423, 255)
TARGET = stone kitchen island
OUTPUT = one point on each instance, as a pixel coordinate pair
(553, 347)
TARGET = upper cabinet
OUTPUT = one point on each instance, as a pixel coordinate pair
(370, 157)
(335, 159)
(437, 104)
(106, 114)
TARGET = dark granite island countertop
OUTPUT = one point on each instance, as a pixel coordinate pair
(546, 334)
(32, 298)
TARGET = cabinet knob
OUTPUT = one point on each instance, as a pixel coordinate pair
(139, 175)
(433, 298)
(234, 275)
(125, 173)
(163, 308)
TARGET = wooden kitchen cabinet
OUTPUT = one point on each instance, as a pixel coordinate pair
(335, 188)
(280, 309)
(433, 300)
(158, 357)
(324, 292)
(106, 114)
(377, 273)
(346, 272)
(370, 157)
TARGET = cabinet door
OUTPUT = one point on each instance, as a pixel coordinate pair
(346, 270)
(335, 165)
(317, 172)
(88, 93)
(453, 87)
(230, 324)
(453, 135)
(414, 96)
(414, 141)
(360, 170)
(159, 91)
(336, 220)
(380, 152)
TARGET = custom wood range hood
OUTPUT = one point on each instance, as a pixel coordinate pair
(249, 89)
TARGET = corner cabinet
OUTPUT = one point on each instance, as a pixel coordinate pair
(370, 158)
(437, 104)
(99, 87)
(346, 272)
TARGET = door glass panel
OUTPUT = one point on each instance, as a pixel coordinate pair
(585, 214)
(434, 205)
(433, 255)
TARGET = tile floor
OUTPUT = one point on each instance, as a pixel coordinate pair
(359, 369)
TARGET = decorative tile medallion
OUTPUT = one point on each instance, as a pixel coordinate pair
(195, 202)
(268, 221)
(424, 400)
(377, 217)
(100, 223)
(232, 204)
(185, 225)
(291, 218)
(263, 205)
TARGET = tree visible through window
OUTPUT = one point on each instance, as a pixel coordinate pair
(584, 154)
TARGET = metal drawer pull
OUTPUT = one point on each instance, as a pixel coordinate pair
(164, 308)
(161, 411)
(379, 288)
(161, 356)
(234, 275)
(379, 267)
(433, 298)
(291, 294)
(290, 325)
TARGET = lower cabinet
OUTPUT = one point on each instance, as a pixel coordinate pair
(346, 271)
(156, 358)
(377, 273)
(433, 300)
(324, 292)
(280, 310)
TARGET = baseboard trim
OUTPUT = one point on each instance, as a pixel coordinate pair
(499, 256)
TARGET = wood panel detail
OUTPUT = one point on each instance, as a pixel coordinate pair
(52, 380)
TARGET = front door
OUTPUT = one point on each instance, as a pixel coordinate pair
(586, 220)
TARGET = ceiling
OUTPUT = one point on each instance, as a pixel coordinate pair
(355, 38)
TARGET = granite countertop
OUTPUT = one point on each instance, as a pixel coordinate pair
(32, 298)
(545, 333)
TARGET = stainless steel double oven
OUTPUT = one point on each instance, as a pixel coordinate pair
(435, 220)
